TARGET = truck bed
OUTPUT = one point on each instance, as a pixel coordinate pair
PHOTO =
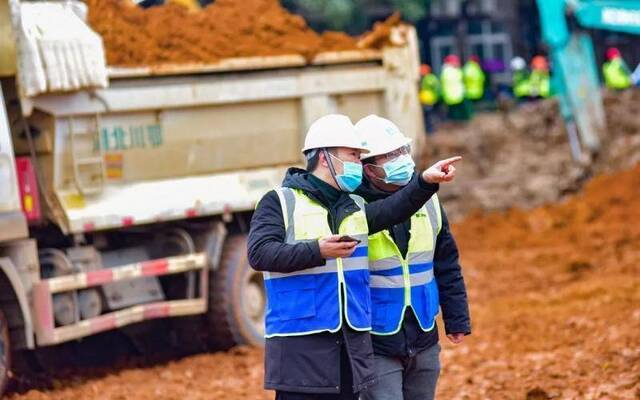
(247, 64)
(180, 141)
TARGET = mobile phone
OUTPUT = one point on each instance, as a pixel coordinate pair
(347, 238)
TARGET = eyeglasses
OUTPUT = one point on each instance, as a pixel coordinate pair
(404, 150)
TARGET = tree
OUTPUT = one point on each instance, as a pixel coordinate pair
(354, 16)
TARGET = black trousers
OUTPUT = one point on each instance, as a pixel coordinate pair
(346, 385)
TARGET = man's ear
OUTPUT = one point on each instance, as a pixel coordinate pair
(368, 171)
(322, 159)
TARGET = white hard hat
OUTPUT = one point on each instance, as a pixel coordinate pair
(381, 135)
(333, 130)
(518, 63)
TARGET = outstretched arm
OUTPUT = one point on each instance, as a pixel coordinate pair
(401, 205)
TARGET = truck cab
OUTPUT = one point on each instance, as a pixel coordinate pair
(12, 221)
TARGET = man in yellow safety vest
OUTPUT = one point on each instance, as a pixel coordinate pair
(414, 273)
(539, 79)
(429, 94)
(617, 75)
(474, 79)
(453, 91)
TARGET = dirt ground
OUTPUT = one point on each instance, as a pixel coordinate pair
(555, 299)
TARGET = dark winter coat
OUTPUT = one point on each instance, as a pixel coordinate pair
(312, 363)
(411, 339)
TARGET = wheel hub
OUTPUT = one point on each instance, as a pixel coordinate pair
(254, 300)
(3, 349)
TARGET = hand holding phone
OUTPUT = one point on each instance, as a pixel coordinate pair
(335, 246)
(347, 238)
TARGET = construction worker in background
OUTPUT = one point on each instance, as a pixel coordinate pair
(474, 79)
(453, 95)
(310, 238)
(414, 271)
(429, 94)
(521, 86)
(617, 75)
(539, 80)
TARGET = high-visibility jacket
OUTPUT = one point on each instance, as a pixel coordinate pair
(521, 84)
(474, 79)
(616, 74)
(314, 300)
(429, 89)
(452, 85)
(399, 282)
(539, 83)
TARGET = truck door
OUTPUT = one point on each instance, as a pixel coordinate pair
(12, 220)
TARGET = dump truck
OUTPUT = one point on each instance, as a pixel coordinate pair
(130, 203)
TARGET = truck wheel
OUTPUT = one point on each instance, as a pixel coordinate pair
(236, 298)
(5, 351)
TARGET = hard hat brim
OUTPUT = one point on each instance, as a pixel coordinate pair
(361, 148)
(407, 141)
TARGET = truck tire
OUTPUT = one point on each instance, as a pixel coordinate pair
(5, 353)
(236, 299)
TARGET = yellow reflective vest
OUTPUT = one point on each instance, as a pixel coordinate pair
(318, 299)
(398, 282)
(474, 79)
(540, 83)
(452, 85)
(616, 74)
(429, 89)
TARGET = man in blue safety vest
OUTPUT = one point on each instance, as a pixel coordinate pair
(414, 271)
(310, 239)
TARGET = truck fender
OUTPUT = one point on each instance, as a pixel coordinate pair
(9, 270)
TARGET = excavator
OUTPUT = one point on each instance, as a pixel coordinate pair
(575, 76)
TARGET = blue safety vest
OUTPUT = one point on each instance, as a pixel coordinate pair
(313, 300)
(400, 282)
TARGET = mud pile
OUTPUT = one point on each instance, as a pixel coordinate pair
(555, 296)
(172, 34)
(522, 158)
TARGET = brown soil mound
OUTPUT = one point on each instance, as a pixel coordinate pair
(555, 298)
(555, 295)
(172, 34)
(522, 158)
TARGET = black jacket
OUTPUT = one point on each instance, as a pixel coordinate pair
(411, 339)
(311, 363)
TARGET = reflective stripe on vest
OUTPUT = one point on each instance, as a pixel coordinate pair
(313, 300)
(397, 282)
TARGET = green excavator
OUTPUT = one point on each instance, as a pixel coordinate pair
(575, 76)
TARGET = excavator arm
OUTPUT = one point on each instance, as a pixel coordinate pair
(620, 15)
(575, 73)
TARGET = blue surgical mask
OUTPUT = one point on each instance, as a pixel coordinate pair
(351, 176)
(399, 171)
